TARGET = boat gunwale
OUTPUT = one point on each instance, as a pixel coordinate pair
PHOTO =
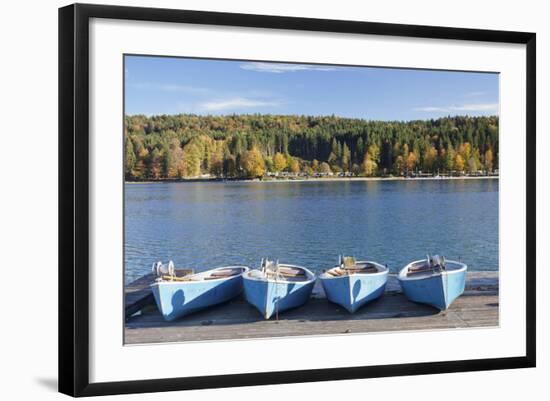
(244, 269)
(402, 275)
(312, 276)
(382, 271)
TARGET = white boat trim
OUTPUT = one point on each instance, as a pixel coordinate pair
(310, 276)
(402, 276)
(198, 277)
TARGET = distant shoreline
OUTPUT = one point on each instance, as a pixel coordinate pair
(315, 179)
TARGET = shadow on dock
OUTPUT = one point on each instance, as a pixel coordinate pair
(236, 319)
(315, 310)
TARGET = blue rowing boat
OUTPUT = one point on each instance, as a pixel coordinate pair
(180, 296)
(274, 287)
(354, 285)
(433, 281)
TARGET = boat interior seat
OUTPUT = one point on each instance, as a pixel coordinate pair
(339, 271)
(226, 273)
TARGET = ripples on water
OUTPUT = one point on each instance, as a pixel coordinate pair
(208, 224)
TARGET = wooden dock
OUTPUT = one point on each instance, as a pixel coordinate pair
(477, 307)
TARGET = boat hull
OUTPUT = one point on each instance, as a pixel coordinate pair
(438, 290)
(271, 297)
(356, 290)
(178, 299)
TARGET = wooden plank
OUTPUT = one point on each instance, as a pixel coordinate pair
(138, 295)
(237, 320)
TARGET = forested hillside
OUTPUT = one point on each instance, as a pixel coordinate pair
(247, 146)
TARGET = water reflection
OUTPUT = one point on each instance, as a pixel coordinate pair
(203, 225)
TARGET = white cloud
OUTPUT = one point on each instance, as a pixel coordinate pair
(236, 103)
(477, 107)
(431, 109)
(474, 94)
(492, 107)
(277, 68)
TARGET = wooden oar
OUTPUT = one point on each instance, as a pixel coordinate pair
(419, 270)
(175, 278)
(225, 273)
(273, 273)
(352, 270)
(289, 270)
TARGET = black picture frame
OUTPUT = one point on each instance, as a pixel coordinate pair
(74, 198)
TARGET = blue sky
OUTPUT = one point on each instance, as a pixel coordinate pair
(162, 85)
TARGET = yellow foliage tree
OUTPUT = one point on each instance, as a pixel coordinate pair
(411, 161)
(294, 166)
(139, 166)
(474, 162)
(346, 157)
(430, 156)
(369, 165)
(315, 165)
(324, 168)
(489, 160)
(399, 165)
(459, 162)
(279, 162)
(191, 160)
(216, 163)
(253, 163)
(175, 158)
(374, 152)
(465, 151)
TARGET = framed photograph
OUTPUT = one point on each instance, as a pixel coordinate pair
(251, 199)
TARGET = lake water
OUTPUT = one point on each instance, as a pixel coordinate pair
(203, 225)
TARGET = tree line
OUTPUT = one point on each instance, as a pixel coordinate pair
(249, 146)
